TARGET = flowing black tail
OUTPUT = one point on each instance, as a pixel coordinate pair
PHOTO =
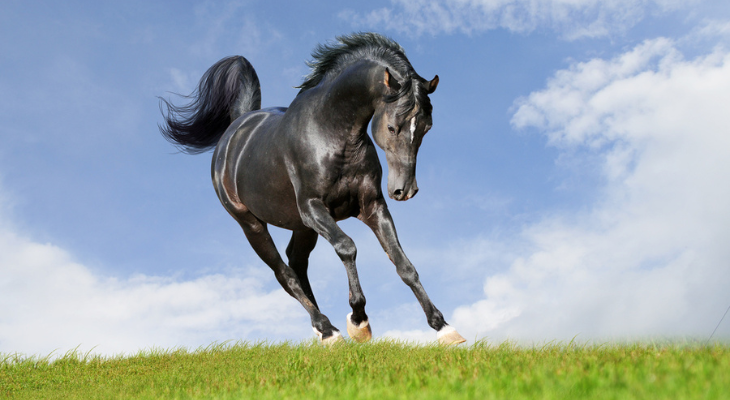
(227, 90)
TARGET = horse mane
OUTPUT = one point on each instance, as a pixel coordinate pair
(332, 58)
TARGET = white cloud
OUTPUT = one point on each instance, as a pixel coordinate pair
(50, 302)
(571, 18)
(232, 24)
(713, 30)
(650, 257)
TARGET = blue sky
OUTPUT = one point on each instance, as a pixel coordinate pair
(574, 183)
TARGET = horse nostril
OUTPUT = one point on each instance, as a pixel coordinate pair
(398, 192)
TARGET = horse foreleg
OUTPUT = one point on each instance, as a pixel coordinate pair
(381, 222)
(316, 216)
(258, 235)
(361, 332)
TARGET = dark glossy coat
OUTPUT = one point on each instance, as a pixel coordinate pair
(305, 167)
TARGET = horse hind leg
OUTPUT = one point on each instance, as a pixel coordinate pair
(297, 252)
(258, 235)
(300, 247)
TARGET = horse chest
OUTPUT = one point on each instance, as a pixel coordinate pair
(343, 198)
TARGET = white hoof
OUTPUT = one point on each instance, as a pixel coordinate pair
(448, 336)
(361, 332)
(335, 338)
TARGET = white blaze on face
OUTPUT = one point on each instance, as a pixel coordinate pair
(413, 129)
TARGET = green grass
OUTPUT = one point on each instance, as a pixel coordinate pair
(379, 370)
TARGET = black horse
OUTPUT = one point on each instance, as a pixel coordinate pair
(305, 167)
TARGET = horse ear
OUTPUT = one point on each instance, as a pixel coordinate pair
(432, 85)
(390, 81)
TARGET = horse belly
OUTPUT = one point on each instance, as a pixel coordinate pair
(270, 201)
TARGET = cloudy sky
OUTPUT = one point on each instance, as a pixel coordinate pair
(576, 182)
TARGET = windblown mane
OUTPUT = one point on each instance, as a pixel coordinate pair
(332, 58)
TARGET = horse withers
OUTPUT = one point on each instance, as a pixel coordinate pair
(305, 167)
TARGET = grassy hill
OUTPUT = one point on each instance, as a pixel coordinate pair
(379, 370)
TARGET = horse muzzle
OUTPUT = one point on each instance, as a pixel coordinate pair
(401, 177)
(402, 190)
(403, 194)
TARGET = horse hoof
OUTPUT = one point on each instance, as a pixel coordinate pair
(361, 332)
(330, 340)
(448, 336)
(333, 340)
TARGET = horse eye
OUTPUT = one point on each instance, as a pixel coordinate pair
(391, 129)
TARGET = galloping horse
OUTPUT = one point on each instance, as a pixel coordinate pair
(305, 167)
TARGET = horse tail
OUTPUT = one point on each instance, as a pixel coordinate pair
(226, 91)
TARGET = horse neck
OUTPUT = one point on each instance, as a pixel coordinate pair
(351, 96)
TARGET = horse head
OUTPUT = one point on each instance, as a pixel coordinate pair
(399, 124)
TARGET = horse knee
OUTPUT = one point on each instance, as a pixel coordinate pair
(408, 275)
(346, 249)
